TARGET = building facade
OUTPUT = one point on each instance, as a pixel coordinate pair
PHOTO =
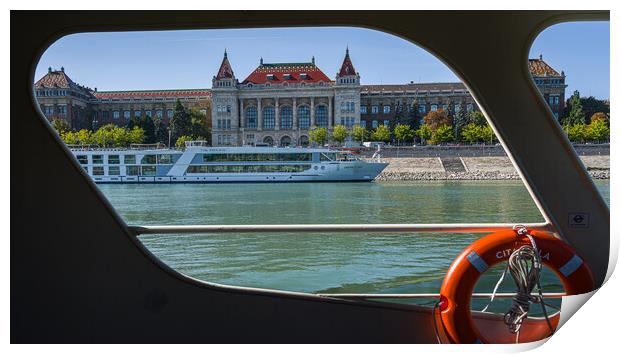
(277, 103)
(82, 107)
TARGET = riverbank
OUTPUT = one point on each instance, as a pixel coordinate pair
(470, 168)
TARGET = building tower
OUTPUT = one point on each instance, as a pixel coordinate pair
(347, 94)
(225, 106)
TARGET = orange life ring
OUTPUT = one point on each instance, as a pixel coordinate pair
(459, 282)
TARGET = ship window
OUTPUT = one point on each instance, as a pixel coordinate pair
(256, 157)
(113, 159)
(114, 170)
(246, 168)
(148, 171)
(129, 159)
(149, 160)
(328, 157)
(97, 170)
(133, 170)
(97, 159)
(82, 159)
(164, 159)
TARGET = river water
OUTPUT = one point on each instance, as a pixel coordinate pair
(324, 262)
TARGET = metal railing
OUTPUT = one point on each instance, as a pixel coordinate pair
(340, 228)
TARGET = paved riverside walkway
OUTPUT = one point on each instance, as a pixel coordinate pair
(471, 168)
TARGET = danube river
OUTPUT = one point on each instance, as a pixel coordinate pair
(328, 262)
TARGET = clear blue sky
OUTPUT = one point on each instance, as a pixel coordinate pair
(189, 59)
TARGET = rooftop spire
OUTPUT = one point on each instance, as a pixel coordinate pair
(225, 71)
(347, 65)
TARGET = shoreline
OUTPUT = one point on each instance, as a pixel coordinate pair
(487, 168)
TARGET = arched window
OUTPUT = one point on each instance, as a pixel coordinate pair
(285, 141)
(268, 140)
(269, 117)
(320, 116)
(303, 140)
(251, 116)
(303, 117)
(286, 117)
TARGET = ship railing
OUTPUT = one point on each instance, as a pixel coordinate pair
(196, 143)
(350, 228)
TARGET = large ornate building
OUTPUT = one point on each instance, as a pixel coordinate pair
(277, 103)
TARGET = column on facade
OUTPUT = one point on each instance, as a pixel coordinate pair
(294, 113)
(329, 112)
(312, 123)
(241, 114)
(259, 108)
(277, 104)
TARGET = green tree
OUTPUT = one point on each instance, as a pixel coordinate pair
(318, 135)
(577, 132)
(381, 133)
(180, 143)
(598, 130)
(424, 132)
(591, 106)
(575, 113)
(85, 137)
(487, 134)
(443, 134)
(359, 134)
(198, 123)
(435, 119)
(69, 137)
(134, 136)
(403, 133)
(161, 130)
(340, 133)
(476, 117)
(599, 116)
(60, 125)
(461, 119)
(471, 133)
(181, 123)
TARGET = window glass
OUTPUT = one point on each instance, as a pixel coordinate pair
(114, 170)
(113, 159)
(286, 117)
(97, 170)
(149, 159)
(97, 159)
(82, 159)
(303, 115)
(129, 159)
(133, 170)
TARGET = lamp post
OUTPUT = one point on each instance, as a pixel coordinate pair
(169, 136)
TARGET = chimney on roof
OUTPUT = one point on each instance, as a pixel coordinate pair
(540, 57)
(62, 68)
(261, 60)
(49, 70)
(313, 60)
(95, 89)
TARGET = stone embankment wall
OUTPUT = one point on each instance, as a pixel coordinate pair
(471, 168)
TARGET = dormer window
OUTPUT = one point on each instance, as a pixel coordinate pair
(271, 77)
(303, 76)
(287, 76)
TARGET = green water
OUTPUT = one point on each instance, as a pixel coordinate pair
(323, 262)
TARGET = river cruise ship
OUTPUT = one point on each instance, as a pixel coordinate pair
(199, 163)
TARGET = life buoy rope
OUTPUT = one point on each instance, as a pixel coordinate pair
(525, 252)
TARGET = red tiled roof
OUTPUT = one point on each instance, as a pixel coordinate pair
(225, 71)
(152, 93)
(539, 67)
(55, 79)
(279, 71)
(347, 66)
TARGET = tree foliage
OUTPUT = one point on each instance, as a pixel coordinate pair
(436, 119)
(359, 134)
(476, 117)
(575, 111)
(443, 134)
(60, 125)
(107, 136)
(461, 119)
(198, 123)
(597, 130)
(404, 133)
(577, 132)
(181, 123)
(318, 135)
(381, 133)
(340, 133)
(424, 132)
